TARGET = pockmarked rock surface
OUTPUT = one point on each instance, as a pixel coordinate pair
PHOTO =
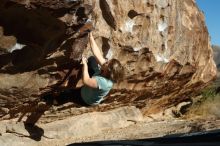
(163, 45)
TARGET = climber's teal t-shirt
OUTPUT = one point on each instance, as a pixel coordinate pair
(94, 96)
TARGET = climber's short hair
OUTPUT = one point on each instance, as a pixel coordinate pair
(115, 71)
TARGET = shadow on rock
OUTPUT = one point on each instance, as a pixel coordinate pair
(35, 132)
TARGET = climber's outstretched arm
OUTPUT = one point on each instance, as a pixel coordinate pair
(91, 82)
(96, 51)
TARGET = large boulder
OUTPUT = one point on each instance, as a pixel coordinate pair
(163, 44)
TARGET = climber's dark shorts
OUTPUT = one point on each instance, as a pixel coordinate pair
(70, 95)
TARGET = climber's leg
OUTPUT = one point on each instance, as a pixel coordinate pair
(93, 67)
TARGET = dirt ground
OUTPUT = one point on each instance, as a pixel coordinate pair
(143, 130)
(126, 123)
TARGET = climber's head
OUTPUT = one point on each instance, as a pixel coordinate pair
(113, 70)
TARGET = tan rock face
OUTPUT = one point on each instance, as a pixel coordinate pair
(163, 44)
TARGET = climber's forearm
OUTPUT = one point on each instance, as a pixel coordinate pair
(96, 51)
(86, 78)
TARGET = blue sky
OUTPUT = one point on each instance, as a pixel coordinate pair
(211, 9)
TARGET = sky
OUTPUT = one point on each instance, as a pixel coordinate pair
(211, 9)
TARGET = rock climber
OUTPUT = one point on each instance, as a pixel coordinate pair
(99, 81)
(98, 76)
